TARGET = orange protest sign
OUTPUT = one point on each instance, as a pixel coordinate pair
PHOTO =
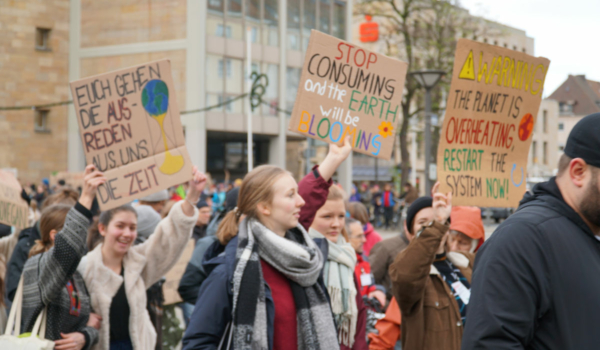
(491, 110)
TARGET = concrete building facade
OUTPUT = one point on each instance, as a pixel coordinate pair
(205, 41)
(543, 157)
(576, 97)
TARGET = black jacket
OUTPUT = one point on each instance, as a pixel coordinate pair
(195, 274)
(536, 281)
(27, 239)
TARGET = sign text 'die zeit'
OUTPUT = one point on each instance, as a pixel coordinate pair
(349, 91)
(131, 130)
(491, 110)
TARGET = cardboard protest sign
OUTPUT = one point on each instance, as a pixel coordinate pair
(74, 180)
(492, 107)
(345, 90)
(174, 275)
(13, 209)
(131, 130)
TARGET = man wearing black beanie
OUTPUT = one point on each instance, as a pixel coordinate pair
(535, 284)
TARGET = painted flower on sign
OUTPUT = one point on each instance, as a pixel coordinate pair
(385, 129)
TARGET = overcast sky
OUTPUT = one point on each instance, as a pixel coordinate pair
(564, 31)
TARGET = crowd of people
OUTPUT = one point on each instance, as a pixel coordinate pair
(280, 264)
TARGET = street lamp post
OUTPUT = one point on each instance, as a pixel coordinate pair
(427, 79)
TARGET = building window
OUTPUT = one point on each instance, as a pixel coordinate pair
(534, 152)
(223, 31)
(545, 154)
(293, 25)
(271, 23)
(324, 16)
(524, 50)
(545, 121)
(566, 108)
(292, 82)
(41, 120)
(515, 47)
(227, 68)
(271, 93)
(485, 40)
(505, 45)
(228, 107)
(234, 84)
(339, 19)
(215, 5)
(42, 39)
(496, 42)
(561, 126)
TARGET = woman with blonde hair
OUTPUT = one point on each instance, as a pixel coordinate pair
(265, 288)
(343, 288)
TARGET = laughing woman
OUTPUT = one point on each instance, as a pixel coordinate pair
(117, 273)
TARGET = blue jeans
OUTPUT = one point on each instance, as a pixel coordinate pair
(121, 345)
(187, 310)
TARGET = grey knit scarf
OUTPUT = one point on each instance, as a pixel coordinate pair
(299, 259)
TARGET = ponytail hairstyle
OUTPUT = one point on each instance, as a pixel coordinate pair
(53, 218)
(256, 188)
(64, 196)
(337, 193)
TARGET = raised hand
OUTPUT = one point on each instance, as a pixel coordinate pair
(442, 204)
(92, 179)
(336, 156)
(195, 188)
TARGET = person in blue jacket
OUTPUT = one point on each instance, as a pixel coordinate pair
(265, 286)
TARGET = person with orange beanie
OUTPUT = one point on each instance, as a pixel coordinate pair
(466, 230)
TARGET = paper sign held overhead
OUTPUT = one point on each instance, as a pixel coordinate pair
(13, 209)
(131, 130)
(349, 91)
(491, 111)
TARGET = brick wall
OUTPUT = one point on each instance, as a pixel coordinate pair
(29, 76)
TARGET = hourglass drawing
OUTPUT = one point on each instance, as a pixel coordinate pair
(155, 99)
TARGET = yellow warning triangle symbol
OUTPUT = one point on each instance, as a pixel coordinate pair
(468, 69)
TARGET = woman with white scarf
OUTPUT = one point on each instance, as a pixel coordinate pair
(264, 289)
(338, 273)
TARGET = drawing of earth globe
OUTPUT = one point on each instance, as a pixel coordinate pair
(155, 97)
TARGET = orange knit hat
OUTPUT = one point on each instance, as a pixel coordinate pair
(468, 221)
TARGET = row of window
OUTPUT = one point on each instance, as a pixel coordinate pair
(228, 18)
(505, 45)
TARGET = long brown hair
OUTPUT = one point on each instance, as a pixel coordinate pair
(53, 218)
(256, 188)
(64, 196)
(359, 212)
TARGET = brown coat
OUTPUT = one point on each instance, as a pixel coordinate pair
(430, 316)
(382, 255)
